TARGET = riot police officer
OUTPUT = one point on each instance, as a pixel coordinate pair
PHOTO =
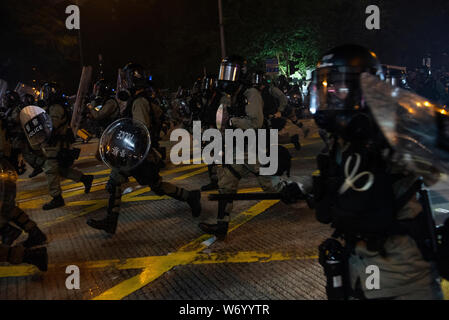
(10, 213)
(368, 197)
(275, 101)
(141, 109)
(275, 108)
(57, 149)
(245, 106)
(27, 252)
(104, 109)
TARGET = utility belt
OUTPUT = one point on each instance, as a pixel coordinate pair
(334, 257)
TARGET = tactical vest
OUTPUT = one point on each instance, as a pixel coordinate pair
(155, 116)
(115, 115)
(354, 192)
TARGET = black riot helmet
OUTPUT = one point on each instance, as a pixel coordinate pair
(50, 93)
(102, 89)
(233, 72)
(336, 97)
(28, 100)
(11, 99)
(135, 77)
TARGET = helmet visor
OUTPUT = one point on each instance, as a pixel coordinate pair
(229, 72)
(333, 90)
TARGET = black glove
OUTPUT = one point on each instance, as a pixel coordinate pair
(292, 193)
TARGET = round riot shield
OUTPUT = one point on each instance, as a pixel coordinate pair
(8, 179)
(125, 144)
(36, 124)
(222, 117)
(416, 128)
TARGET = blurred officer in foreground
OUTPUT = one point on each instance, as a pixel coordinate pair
(367, 193)
(129, 147)
(10, 213)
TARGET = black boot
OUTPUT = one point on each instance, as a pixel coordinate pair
(36, 172)
(87, 181)
(219, 230)
(108, 224)
(209, 187)
(9, 234)
(194, 201)
(295, 141)
(37, 257)
(55, 203)
(35, 238)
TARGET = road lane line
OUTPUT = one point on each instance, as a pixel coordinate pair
(184, 255)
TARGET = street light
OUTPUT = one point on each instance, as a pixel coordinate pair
(222, 38)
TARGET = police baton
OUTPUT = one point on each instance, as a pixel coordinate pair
(256, 196)
(244, 196)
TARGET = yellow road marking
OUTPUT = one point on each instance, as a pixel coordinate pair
(100, 204)
(29, 195)
(184, 255)
(191, 174)
(144, 262)
(33, 203)
(248, 257)
(94, 205)
(37, 203)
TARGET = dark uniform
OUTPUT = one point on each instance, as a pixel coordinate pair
(248, 102)
(10, 213)
(58, 151)
(22, 253)
(275, 106)
(369, 198)
(141, 108)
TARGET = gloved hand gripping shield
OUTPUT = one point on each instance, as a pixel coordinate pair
(125, 144)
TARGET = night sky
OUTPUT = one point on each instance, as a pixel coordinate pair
(178, 39)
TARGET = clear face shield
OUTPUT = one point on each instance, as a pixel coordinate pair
(229, 72)
(416, 128)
